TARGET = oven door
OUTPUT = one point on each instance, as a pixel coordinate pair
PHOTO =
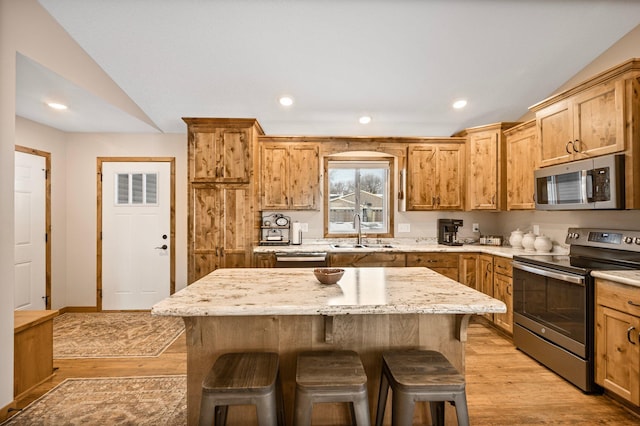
(553, 305)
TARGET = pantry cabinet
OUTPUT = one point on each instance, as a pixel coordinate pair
(522, 160)
(290, 177)
(222, 193)
(436, 176)
(486, 180)
(618, 339)
(588, 124)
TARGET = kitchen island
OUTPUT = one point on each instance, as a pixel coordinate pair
(288, 311)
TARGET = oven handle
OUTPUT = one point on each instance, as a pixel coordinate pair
(574, 279)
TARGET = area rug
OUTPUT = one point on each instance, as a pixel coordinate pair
(113, 335)
(109, 401)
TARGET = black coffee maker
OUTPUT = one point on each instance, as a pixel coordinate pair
(447, 230)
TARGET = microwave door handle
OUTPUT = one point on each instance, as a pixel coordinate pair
(587, 187)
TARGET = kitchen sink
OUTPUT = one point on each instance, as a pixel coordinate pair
(359, 246)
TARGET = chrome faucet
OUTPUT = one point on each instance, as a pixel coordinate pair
(356, 217)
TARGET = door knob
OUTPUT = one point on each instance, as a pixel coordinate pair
(162, 247)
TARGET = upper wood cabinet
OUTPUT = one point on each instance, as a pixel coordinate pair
(435, 176)
(289, 176)
(220, 150)
(486, 180)
(588, 124)
(522, 160)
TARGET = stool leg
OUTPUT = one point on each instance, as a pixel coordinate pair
(266, 409)
(302, 411)
(436, 409)
(382, 397)
(402, 409)
(361, 410)
(280, 402)
(461, 408)
(207, 410)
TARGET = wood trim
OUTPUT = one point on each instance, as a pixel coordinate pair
(47, 215)
(8, 410)
(172, 219)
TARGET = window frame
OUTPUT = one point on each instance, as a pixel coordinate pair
(389, 194)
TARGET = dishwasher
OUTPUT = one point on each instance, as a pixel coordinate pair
(314, 259)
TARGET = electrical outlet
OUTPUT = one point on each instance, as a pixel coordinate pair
(304, 227)
(536, 229)
(404, 227)
(475, 227)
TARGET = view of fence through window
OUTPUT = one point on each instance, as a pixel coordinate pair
(358, 188)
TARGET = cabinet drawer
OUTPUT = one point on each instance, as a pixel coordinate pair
(622, 297)
(433, 260)
(367, 259)
(502, 266)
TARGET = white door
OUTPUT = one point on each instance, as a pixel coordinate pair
(135, 234)
(30, 232)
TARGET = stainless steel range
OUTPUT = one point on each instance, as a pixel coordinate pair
(553, 300)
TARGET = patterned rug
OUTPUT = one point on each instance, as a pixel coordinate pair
(109, 401)
(113, 335)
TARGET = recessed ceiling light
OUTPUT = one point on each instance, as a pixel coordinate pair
(56, 105)
(460, 104)
(365, 119)
(286, 101)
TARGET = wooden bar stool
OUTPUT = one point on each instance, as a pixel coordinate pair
(331, 376)
(420, 375)
(243, 378)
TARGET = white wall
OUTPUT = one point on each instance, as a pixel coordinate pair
(37, 136)
(82, 152)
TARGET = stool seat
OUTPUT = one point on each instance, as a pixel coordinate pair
(243, 378)
(420, 375)
(331, 376)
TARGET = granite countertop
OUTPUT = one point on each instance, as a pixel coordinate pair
(624, 277)
(404, 247)
(295, 291)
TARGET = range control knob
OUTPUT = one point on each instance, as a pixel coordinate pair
(637, 240)
(628, 240)
(573, 235)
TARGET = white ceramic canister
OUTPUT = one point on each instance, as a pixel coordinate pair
(528, 241)
(543, 244)
(516, 239)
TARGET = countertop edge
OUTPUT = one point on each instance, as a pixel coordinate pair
(624, 277)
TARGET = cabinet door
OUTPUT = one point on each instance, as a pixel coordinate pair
(304, 177)
(468, 270)
(483, 179)
(450, 175)
(618, 353)
(485, 278)
(220, 155)
(274, 176)
(264, 260)
(221, 229)
(598, 120)
(421, 177)
(555, 133)
(522, 160)
(443, 263)
(502, 290)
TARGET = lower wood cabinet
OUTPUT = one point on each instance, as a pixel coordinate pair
(468, 270)
(264, 260)
(503, 290)
(443, 263)
(485, 277)
(368, 259)
(618, 339)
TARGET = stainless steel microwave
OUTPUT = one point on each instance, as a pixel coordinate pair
(594, 183)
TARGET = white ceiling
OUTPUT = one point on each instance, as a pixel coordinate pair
(401, 61)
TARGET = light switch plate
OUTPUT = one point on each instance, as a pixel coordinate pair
(475, 227)
(536, 229)
(404, 227)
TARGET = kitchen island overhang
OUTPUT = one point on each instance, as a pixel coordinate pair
(288, 311)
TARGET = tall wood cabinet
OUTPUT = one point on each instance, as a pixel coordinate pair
(436, 176)
(486, 179)
(222, 193)
(522, 160)
(290, 175)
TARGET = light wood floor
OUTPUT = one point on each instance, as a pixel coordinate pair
(504, 386)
